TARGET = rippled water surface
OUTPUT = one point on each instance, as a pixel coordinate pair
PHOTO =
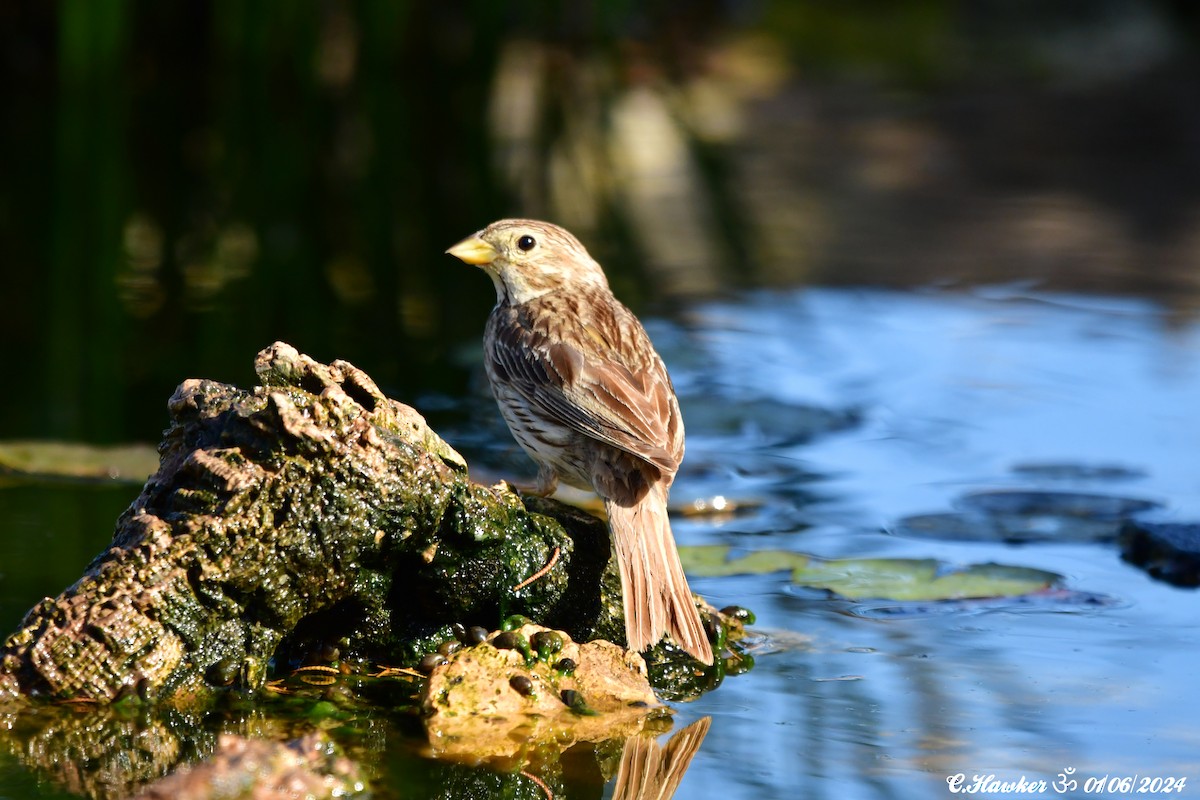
(999, 391)
(998, 426)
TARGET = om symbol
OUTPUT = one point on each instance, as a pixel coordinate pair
(1065, 783)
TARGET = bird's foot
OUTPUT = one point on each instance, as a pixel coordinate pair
(544, 485)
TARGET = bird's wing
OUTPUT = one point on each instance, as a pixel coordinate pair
(617, 392)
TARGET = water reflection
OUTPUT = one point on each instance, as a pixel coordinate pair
(109, 752)
(960, 394)
(649, 771)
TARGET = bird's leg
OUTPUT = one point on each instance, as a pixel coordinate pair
(543, 486)
(547, 481)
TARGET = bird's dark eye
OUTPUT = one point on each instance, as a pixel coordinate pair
(526, 243)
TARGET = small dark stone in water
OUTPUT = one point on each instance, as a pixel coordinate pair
(475, 635)
(326, 653)
(740, 614)
(459, 631)
(448, 647)
(429, 662)
(547, 643)
(224, 672)
(505, 641)
(521, 684)
(566, 665)
(1168, 551)
(574, 701)
(513, 622)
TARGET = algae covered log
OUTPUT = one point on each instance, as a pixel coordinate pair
(307, 510)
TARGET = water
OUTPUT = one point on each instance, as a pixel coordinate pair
(956, 393)
(836, 417)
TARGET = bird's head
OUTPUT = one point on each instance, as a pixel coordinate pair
(527, 259)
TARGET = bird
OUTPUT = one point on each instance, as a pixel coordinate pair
(587, 396)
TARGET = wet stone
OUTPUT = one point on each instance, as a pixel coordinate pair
(430, 662)
(514, 622)
(506, 641)
(739, 613)
(546, 643)
(1168, 551)
(223, 673)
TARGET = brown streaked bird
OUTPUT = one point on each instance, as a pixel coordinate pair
(588, 398)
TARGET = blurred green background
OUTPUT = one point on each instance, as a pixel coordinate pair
(186, 182)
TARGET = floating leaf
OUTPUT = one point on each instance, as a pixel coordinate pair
(1011, 528)
(712, 561)
(920, 579)
(131, 463)
(1073, 471)
(898, 579)
(1055, 599)
(1025, 516)
(1029, 503)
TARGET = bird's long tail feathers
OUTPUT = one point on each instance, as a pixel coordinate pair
(655, 590)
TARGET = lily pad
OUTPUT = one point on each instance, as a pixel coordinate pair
(900, 579)
(1073, 471)
(920, 579)
(1010, 528)
(129, 463)
(1054, 600)
(1058, 504)
(713, 561)
(1025, 516)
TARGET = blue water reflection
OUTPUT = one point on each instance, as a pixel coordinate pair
(955, 393)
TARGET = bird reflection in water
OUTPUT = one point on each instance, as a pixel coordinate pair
(649, 771)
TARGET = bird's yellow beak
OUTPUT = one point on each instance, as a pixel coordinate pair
(475, 251)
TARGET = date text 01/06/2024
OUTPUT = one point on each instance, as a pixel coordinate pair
(990, 784)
